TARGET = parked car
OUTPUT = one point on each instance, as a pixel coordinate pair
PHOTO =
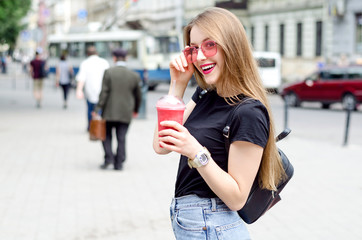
(328, 85)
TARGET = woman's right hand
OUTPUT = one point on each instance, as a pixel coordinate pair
(180, 70)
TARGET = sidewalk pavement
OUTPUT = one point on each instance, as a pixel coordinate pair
(51, 186)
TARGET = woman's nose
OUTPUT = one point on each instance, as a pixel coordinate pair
(200, 55)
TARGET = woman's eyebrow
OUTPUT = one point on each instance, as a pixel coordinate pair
(201, 41)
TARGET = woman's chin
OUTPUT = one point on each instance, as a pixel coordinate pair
(210, 80)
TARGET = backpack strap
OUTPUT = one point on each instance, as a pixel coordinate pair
(226, 130)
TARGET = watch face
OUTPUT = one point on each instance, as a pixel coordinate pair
(203, 159)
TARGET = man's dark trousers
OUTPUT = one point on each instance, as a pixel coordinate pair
(121, 130)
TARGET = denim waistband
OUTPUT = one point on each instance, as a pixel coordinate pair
(195, 201)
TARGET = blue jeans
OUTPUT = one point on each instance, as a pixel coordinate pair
(198, 218)
(90, 107)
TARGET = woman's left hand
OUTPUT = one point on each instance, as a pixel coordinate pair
(178, 139)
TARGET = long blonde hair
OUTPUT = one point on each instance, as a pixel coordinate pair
(239, 76)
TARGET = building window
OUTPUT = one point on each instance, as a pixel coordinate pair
(281, 39)
(299, 39)
(359, 33)
(266, 38)
(318, 40)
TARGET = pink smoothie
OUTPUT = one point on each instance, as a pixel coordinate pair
(169, 108)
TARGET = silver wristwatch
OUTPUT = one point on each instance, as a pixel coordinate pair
(201, 159)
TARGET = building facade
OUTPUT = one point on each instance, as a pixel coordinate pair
(292, 28)
(346, 32)
(34, 37)
(307, 33)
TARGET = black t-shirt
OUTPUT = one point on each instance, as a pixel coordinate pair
(249, 123)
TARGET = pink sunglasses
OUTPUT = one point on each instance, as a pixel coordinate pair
(208, 48)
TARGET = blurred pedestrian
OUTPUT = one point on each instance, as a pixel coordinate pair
(64, 75)
(24, 62)
(3, 64)
(214, 182)
(38, 72)
(89, 79)
(119, 101)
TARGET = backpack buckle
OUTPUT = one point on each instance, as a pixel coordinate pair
(226, 131)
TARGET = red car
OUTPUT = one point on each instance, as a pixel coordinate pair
(327, 85)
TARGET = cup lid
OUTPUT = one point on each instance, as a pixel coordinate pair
(170, 101)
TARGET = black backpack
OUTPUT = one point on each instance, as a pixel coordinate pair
(261, 200)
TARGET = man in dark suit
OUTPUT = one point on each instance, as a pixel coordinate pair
(119, 101)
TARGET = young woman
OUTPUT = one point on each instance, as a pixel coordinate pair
(64, 73)
(208, 194)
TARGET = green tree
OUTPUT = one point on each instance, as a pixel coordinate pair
(11, 13)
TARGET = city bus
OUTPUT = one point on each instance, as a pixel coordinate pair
(269, 64)
(149, 55)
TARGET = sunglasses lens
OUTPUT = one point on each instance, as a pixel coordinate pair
(209, 48)
(190, 54)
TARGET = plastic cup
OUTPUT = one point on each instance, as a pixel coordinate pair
(169, 108)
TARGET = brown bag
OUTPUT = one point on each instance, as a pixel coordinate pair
(97, 130)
